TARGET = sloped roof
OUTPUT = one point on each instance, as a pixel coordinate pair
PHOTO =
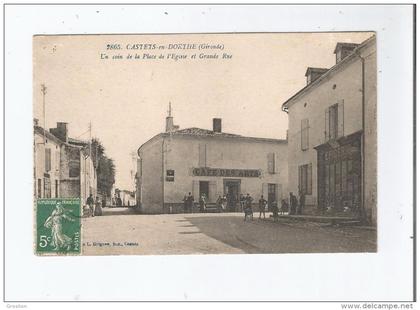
(331, 71)
(77, 142)
(203, 132)
(41, 131)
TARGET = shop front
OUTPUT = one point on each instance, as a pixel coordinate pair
(339, 174)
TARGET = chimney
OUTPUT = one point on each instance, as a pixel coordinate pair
(217, 125)
(61, 132)
(342, 50)
(313, 73)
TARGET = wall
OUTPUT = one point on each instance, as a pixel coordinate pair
(88, 178)
(69, 186)
(348, 88)
(150, 188)
(39, 164)
(182, 154)
(370, 134)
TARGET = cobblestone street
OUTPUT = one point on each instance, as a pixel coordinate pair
(120, 231)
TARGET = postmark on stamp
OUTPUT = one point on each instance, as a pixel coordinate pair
(58, 226)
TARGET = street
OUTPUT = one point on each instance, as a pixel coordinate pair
(121, 231)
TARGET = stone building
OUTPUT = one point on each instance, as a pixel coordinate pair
(63, 166)
(210, 163)
(47, 158)
(332, 133)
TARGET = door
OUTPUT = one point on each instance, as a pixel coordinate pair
(272, 195)
(232, 191)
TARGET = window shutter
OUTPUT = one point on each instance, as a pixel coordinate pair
(279, 194)
(302, 134)
(300, 179)
(309, 189)
(202, 155)
(270, 163)
(327, 124)
(47, 160)
(57, 160)
(340, 118)
(264, 190)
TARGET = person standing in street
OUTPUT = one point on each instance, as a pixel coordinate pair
(98, 208)
(190, 200)
(301, 202)
(219, 204)
(293, 204)
(91, 204)
(261, 205)
(202, 203)
(185, 201)
(242, 202)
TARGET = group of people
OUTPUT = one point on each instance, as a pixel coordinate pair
(188, 203)
(95, 205)
(296, 207)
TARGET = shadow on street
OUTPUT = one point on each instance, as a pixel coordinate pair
(266, 236)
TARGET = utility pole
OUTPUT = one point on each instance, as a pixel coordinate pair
(90, 140)
(43, 91)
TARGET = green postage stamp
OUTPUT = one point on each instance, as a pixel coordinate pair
(58, 226)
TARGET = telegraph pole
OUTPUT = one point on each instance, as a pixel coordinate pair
(90, 140)
(43, 91)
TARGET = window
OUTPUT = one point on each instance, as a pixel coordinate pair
(56, 188)
(271, 163)
(47, 160)
(47, 188)
(202, 155)
(304, 134)
(334, 121)
(74, 169)
(305, 179)
(39, 188)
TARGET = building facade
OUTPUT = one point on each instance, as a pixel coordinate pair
(47, 161)
(332, 133)
(211, 163)
(63, 167)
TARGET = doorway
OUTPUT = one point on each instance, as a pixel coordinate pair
(272, 195)
(232, 190)
(204, 189)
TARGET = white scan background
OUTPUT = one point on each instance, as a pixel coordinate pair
(386, 275)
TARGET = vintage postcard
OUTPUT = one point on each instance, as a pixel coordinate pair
(205, 143)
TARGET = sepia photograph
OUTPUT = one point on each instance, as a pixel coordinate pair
(208, 143)
(169, 154)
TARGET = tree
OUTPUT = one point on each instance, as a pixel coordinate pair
(105, 168)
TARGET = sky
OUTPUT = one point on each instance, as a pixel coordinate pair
(126, 100)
